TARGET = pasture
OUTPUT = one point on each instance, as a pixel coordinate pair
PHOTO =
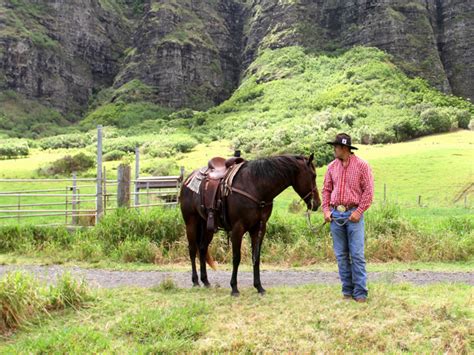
(401, 236)
(398, 318)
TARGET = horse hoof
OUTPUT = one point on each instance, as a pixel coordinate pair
(262, 292)
(196, 285)
(235, 293)
(207, 285)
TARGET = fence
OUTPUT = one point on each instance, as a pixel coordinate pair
(83, 201)
(453, 196)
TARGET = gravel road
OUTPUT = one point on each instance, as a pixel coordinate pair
(110, 279)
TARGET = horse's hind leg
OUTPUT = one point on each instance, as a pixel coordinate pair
(237, 233)
(192, 233)
(256, 234)
(203, 242)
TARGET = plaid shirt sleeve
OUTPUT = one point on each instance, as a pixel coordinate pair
(327, 189)
(367, 186)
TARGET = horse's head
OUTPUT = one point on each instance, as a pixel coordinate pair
(305, 183)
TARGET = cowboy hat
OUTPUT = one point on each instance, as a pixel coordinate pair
(343, 139)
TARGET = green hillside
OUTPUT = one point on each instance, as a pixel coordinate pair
(291, 101)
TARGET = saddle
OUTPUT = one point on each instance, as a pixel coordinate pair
(217, 175)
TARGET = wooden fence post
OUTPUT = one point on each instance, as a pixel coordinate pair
(137, 175)
(104, 190)
(74, 219)
(123, 189)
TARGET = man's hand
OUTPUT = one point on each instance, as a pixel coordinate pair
(355, 217)
(327, 216)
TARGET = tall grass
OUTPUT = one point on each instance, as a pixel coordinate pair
(158, 236)
(22, 298)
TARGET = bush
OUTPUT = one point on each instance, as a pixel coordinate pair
(160, 226)
(114, 155)
(25, 238)
(170, 145)
(69, 164)
(435, 120)
(140, 250)
(67, 141)
(162, 167)
(12, 148)
(123, 144)
(463, 117)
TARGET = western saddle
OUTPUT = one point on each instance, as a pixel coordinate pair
(218, 175)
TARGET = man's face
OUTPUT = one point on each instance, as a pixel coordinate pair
(339, 151)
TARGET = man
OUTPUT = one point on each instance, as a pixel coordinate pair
(347, 193)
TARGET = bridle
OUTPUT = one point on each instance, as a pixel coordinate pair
(310, 207)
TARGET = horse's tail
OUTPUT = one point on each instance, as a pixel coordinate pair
(211, 262)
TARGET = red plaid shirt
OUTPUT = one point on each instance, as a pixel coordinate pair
(352, 185)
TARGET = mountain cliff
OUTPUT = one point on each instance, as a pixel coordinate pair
(60, 59)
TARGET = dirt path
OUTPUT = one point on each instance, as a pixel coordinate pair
(106, 278)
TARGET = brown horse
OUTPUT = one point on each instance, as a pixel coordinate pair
(249, 207)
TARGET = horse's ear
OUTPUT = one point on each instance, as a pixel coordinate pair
(311, 157)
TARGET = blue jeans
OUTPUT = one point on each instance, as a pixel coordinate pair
(348, 241)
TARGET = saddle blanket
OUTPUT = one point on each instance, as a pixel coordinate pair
(195, 183)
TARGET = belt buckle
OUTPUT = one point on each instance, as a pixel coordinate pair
(341, 208)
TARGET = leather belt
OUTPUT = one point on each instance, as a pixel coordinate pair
(343, 208)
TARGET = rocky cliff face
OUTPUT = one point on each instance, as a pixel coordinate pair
(188, 50)
(192, 53)
(60, 51)
(433, 39)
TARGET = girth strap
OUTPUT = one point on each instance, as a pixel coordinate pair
(261, 204)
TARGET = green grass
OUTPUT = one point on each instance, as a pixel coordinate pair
(290, 101)
(157, 237)
(397, 318)
(23, 299)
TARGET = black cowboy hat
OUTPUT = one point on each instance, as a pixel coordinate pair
(343, 139)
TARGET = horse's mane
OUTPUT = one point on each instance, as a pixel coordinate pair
(277, 167)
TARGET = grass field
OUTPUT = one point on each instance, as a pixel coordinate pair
(397, 318)
(439, 168)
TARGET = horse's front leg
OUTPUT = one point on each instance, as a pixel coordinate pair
(256, 235)
(236, 238)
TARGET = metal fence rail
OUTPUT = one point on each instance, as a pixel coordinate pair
(68, 201)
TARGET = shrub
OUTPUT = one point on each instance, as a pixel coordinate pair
(124, 144)
(69, 164)
(140, 250)
(114, 155)
(435, 120)
(75, 140)
(170, 145)
(161, 226)
(11, 148)
(162, 167)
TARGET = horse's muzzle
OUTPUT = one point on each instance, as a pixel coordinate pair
(314, 206)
